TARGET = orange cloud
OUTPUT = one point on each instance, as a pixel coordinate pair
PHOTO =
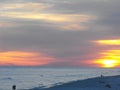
(109, 42)
(18, 58)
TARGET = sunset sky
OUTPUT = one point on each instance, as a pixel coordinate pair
(60, 33)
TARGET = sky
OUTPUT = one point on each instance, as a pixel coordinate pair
(60, 33)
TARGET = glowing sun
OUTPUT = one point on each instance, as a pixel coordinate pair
(108, 63)
(108, 59)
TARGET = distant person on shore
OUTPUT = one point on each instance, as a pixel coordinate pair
(102, 76)
(14, 87)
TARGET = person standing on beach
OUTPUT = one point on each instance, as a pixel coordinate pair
(14, 87)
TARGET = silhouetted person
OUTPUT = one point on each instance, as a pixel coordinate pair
(14, 87)
(102, 76)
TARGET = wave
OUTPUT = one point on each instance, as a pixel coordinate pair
(7, 78)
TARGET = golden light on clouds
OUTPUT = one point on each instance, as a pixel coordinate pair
(109, 59)
(41, 12)
(18, 58)
(109, 42)
(49, 17)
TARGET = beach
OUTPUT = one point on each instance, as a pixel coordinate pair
(48, 78)
(98, 83)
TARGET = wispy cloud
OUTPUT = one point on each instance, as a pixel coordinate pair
(21, 58)
(62, 21)
(50, 17)
(27, 6)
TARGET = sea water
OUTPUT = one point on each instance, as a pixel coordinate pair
(30, 77)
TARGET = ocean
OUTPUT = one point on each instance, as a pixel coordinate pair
(30, 77)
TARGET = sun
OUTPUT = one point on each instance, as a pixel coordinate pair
(108, 63)
(108, 59)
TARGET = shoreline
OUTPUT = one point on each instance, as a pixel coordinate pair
(97, 83)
